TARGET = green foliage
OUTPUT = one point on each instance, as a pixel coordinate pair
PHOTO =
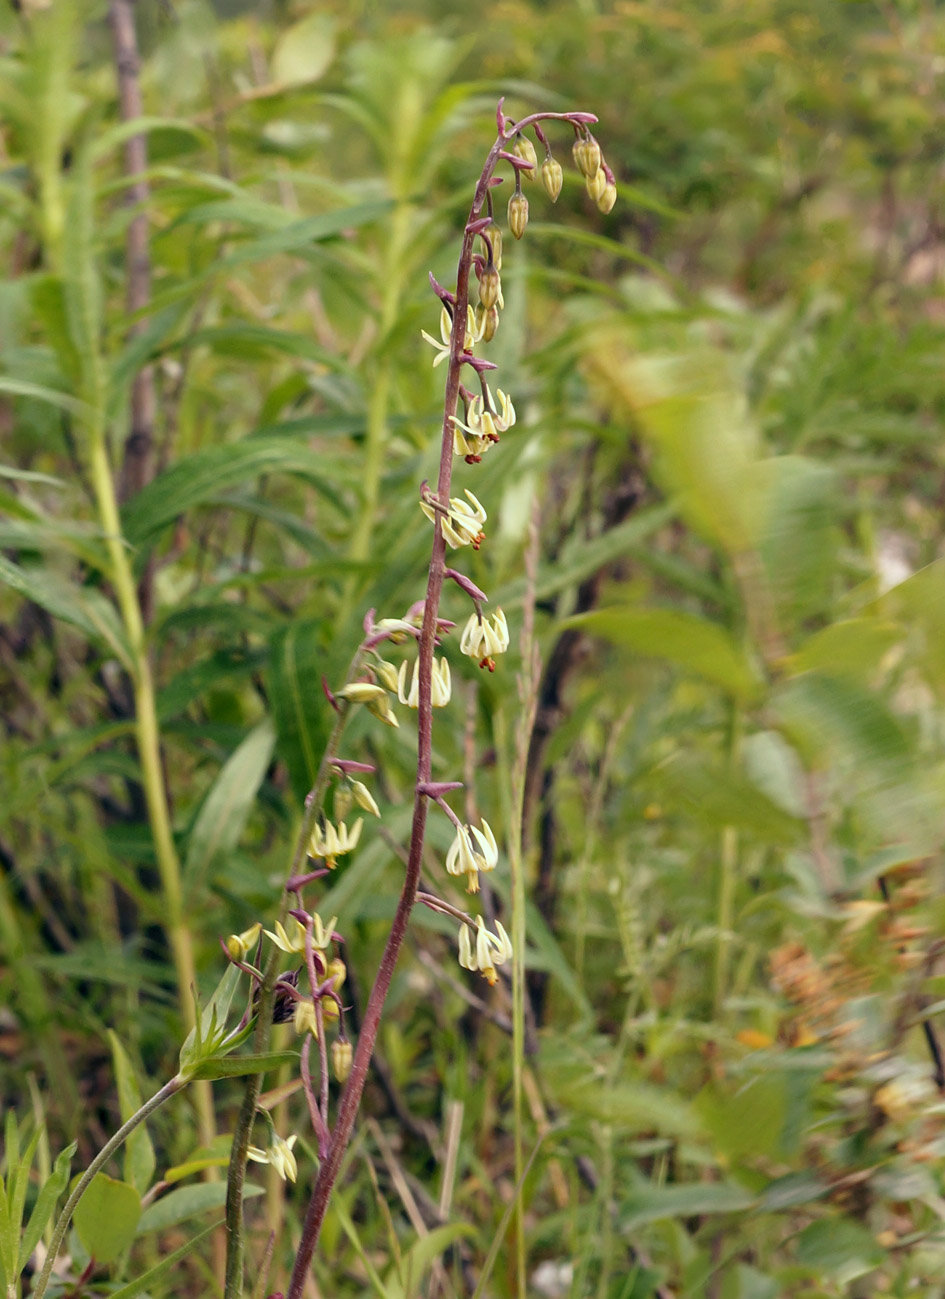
(730, 396)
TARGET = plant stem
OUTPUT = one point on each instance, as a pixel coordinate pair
(176, 1084)
(236, 1175)
(351, 1096)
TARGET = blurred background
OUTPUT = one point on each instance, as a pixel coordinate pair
(728, 458)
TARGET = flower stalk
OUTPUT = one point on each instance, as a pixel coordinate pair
(446, 521)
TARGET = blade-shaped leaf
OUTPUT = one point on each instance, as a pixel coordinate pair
(226, 808)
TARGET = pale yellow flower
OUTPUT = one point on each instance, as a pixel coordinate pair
(491, 949)
(472, 851)
(440, 684)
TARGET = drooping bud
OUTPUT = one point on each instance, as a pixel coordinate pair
(387, 673)
(341, 1057)
(364, 798)
(596, 184)
(337, 972)
(495, 238)
(552, 178)
(489, 287)
(524, 149)
(303, 1018)
(518, 214)
(487, 322)
(608, 198)
(578, 153)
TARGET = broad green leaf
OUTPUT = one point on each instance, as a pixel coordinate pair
(139, 1153)
(38, 391)
(852, 647)
(305, 50)
(115, 136)
(296, 665)
(228, 804)
(200, 477)
(633, 1107)
(840, 1247)
(146, 1280)
(799, 536)
(106, 1218)
(697, 420)
(186, 1203)
(84, 608)
(238, 1066)
(692, 642)
(718, 795)
(919, 604)
(424, 1251)
(649, 1203)
(765, 1118)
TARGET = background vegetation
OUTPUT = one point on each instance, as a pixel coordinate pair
(730, 395)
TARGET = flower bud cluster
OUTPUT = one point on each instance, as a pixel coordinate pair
(598, 178)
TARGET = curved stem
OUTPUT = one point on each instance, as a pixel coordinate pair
(351, 1096)
(236, 1174)
(176, 1084)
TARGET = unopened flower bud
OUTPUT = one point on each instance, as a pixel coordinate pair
(524, 149)
(495, 238)
(489, 287)
(487, 322)
(303, 1018)
(518, 214)
(239, 946)
(361, 692)
(364, 798)
(578, 153)
(387, 674)
(341, 1057)
(608, 198)
(552, 178)
(337, 972)
(596, 185)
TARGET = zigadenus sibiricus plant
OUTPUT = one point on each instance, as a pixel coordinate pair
(310, 992)
(457, 522)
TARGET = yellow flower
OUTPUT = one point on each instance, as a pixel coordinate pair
(482, 640)
(491, 949)
(279, 1155)
(472, 337)
(334, 841)
(472, 851)
(239, 946)
(440, 684)
(461, 523)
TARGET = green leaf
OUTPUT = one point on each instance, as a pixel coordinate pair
(714, 793)
(86, 609)
(139, 1152)
(237, 1066)
(115, 136)
(852, 647)
(649, 1203)
(203, 475)
(227, 806)
(842, 1248)
(106, 1218)
(632, 1107)
(799, 536)
(185, 1203)
(424, 1251)
(296, 664)
(692, 642)
(147, 1279)
(49, 1193)
(38, 391)
(304, 51)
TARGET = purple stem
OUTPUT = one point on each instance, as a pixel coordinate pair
(354, 1088)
